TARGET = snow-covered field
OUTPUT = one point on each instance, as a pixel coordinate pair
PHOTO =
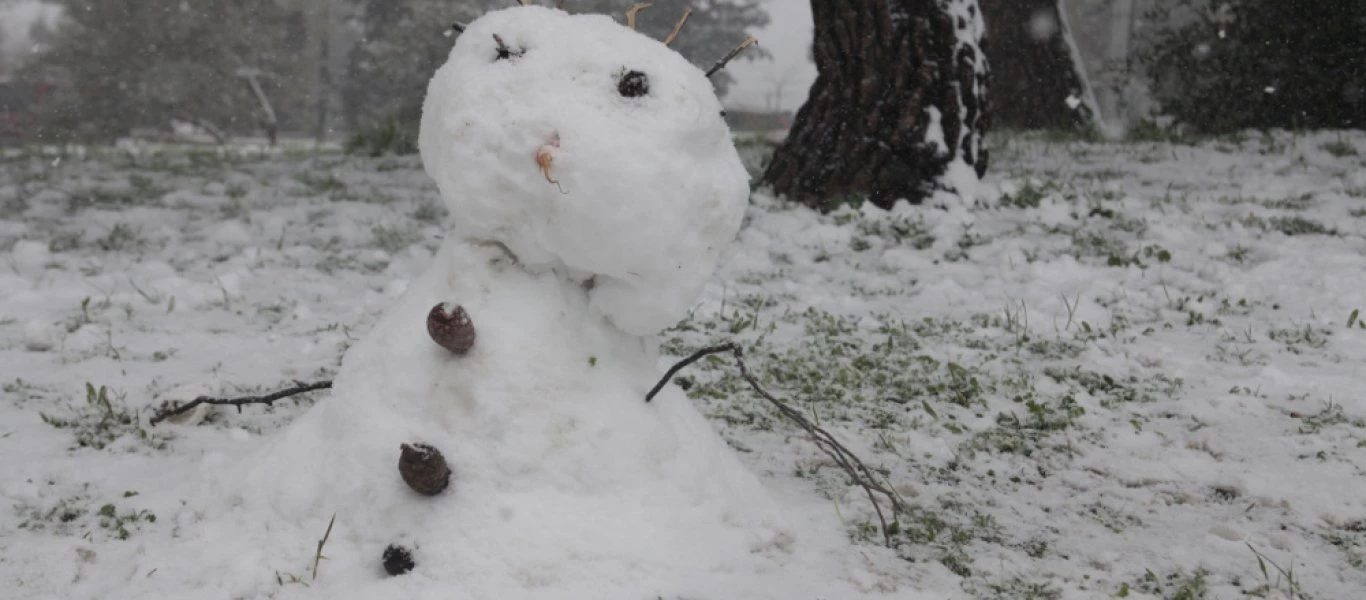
(1133, 371)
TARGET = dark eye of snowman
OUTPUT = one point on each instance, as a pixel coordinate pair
(633, 84)
(505, 52)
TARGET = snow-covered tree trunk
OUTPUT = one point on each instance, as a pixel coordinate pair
(1037, 74)
(898, 109)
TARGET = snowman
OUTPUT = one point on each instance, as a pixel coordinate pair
(592, 186)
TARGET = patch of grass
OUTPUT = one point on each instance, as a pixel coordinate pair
(102, 420)
(1297, 339)
(121, 525)
(325, 184)
(63, 516)
(1090, 243)
(1349, 537)
(943, 532)
(1301, 202)
(1238, 254)
(1291, 226)
(385, 137)
(1110, 392)
(1339, 148)
(1330, 415)
(393, 239)
(900, 229)
(1017, 588)
(65, 241)
(1177, 585)
(121, 238)
(1028, 196)
(429, 212)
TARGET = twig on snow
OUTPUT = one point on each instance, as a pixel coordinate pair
(318, 556)
(721, 64)
(696, 356)
(858, 472)
(299, 388)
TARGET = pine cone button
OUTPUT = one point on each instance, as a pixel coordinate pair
(397, 560)
(423, 468)
(450, 327)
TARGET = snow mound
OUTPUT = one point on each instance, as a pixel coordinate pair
(642, 187)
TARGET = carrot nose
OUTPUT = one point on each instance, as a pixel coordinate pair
(545, 156)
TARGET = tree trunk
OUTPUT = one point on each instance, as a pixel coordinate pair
(900, 95)
(1035, 69)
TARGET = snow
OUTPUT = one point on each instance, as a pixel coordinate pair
(646, 190)
(1232, 422)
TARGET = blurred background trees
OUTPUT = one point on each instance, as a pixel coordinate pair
(1234, 64)
(97, 70)
(114, 66)
(1037, 72)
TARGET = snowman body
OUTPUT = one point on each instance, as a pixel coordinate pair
(587, 213)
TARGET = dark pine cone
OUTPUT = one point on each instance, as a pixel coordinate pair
(633, 84)
(423, 468)
(450, 327)
(397, 560)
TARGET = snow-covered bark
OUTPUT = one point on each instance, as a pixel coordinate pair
(898, 109)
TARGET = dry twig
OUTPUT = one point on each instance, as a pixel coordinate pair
(721, 64)
(299, 388)
(631, 13)
(318, 556)
(678, 366)
(678, 27)
(858, 472)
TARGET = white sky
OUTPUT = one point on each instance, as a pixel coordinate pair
(788, 37)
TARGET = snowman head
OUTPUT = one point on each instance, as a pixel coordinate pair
(589, 150)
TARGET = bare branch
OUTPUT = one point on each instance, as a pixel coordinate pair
(299, 388)
(696, 356)
(721, 64)
(678, 27)
(631, 13)
(318, 556)
(858, 472)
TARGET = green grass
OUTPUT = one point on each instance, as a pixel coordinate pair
(102, 420)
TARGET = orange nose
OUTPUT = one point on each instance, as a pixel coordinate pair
(545, 155)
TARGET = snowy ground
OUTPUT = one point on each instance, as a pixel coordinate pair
(1133, 372)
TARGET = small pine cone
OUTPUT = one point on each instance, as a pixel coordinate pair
(423, 468)
(397, 560)
(451, 328)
